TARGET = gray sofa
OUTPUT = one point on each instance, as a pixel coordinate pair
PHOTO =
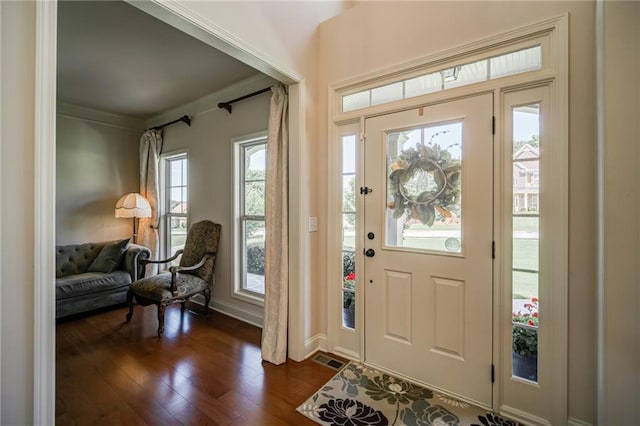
(82, 286)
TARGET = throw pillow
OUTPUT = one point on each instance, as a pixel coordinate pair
(110, 257)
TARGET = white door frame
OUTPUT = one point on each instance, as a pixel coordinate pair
(182, 18)
(553, 35)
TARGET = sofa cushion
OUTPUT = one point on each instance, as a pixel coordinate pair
(75, 258)
(110, 257)
(90, 282)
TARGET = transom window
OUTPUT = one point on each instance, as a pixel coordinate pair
(527, 59)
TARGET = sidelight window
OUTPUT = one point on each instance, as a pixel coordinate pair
(348, 230)
(525, 240)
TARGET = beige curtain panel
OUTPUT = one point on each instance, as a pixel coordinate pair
(276, 273)
(150, 148)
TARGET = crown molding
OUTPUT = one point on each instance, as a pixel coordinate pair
(84, 113)
(210, 102)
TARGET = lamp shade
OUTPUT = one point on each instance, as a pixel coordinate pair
(133, 205)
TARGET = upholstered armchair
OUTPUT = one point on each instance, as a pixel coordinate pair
(192, 276)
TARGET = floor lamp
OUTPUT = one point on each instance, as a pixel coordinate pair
(133, 206)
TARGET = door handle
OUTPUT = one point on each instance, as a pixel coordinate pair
(370, 252)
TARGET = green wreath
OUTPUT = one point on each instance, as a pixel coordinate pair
(446, 173)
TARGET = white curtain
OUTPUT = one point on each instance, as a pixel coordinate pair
(150, 148)
(276, 272)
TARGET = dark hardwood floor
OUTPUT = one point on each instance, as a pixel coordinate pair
(205, 370)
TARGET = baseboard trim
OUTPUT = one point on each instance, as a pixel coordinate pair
(237, 312)
(314, 344)
(231, 310)
(522, 416)
(346, 353)
(577, 422)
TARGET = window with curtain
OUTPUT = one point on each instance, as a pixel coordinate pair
(250, 173)
(175, 204)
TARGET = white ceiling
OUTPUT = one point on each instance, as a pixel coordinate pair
(115, 58)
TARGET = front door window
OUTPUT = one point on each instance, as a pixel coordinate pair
(424, 197)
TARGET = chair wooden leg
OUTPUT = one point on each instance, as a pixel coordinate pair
(183, 306)
(207, 298)
(161, 309)
(130, 302)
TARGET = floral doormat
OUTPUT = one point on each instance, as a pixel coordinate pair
(362, 396)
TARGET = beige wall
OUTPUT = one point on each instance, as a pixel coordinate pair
(285, 34)
(95, 165)
(619, 153)
(17, 231)
(376, 35)
(209, 146)
(366, 38)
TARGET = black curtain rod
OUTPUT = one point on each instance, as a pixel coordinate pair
(184, 118)
(227, 105)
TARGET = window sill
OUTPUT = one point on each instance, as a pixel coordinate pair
(249, 297)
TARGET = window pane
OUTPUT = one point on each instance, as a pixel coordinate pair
(176, 172)
(525, 252)
(348, 288)
(254, 198)
(388, 93)
(349, 193)
(348, 308)
(525, 284)
(253, 279)
(177, 233)
(465, 74)
(525, 343)
(184, 171)
(185, 203)
(255, 162)
(424, 84)
(413, 219)
(176, 204)
(525, 240)
(349, 231)
(356, 101)
(516, 62)
(349, 154)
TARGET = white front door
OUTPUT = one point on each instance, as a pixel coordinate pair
(428, 237)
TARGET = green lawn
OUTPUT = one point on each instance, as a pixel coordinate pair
(525, 252)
